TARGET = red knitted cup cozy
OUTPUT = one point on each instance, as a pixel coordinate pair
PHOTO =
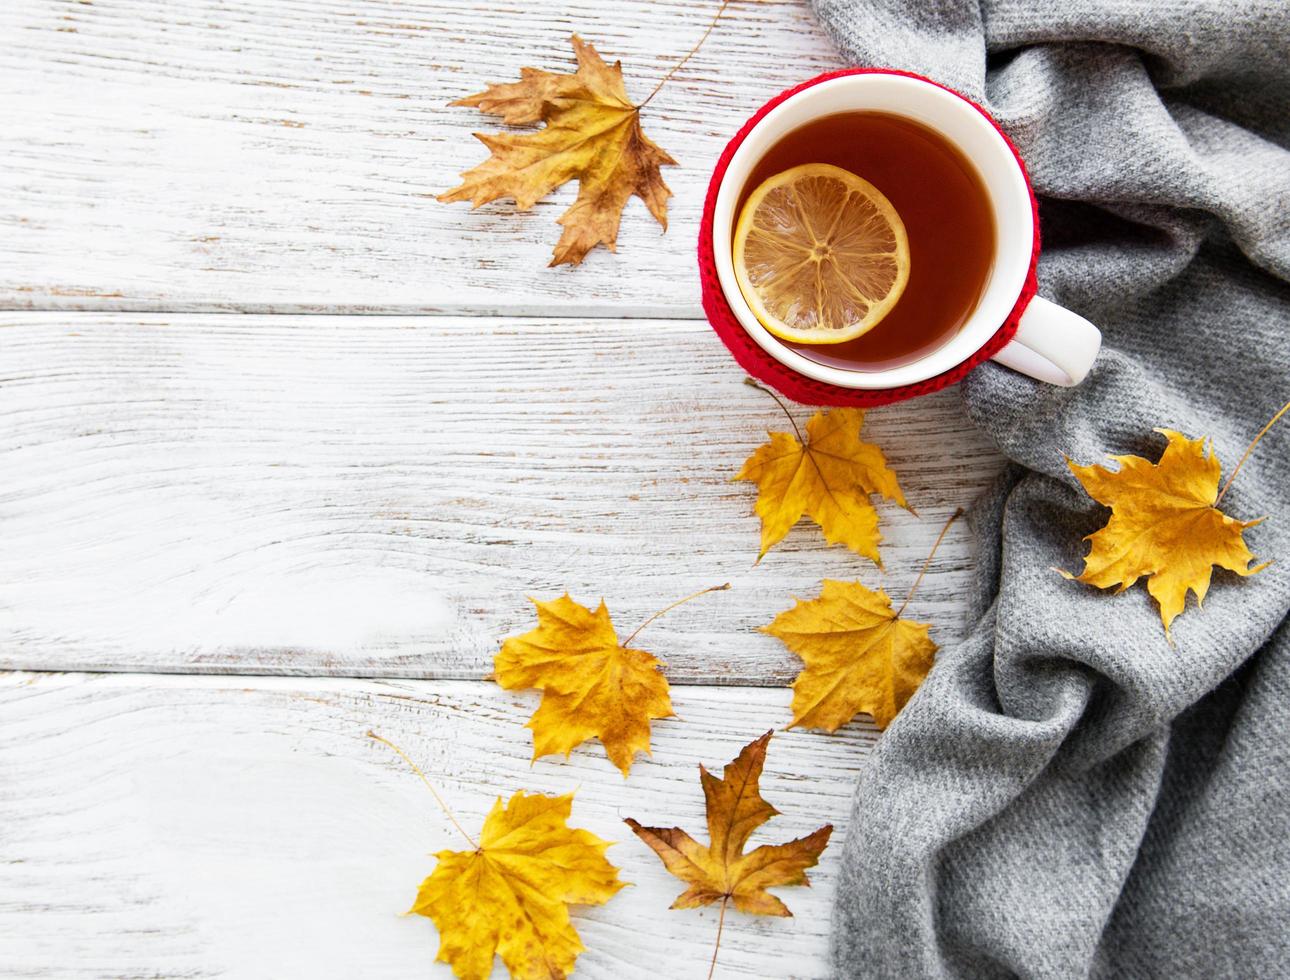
(796, 386)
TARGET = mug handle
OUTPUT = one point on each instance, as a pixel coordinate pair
(1052, 344)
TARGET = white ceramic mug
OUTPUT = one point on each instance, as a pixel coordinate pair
(1051, 343)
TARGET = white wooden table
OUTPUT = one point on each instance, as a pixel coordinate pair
(285, 444)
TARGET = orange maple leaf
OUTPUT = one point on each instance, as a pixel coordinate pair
(592, 134)
(721, 871)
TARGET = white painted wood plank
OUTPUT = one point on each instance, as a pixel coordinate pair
(379, 495)
(207, 827)
(179, 154)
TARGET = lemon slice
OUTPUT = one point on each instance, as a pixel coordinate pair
(820, 255)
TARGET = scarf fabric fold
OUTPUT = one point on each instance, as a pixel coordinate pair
(1068, 795)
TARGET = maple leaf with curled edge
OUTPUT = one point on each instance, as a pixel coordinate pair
(592, 134)
(510, 895)
(721, 871)
(828, 476)
(1164, 526)
(859, 655)
(592, 686)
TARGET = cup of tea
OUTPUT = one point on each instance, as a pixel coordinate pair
(872, 235)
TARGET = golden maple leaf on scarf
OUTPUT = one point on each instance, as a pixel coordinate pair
(1165, 525)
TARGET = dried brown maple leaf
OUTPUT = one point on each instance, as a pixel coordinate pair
(721, 871)
(592, 134)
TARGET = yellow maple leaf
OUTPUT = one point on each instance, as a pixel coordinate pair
(828, 477)
(592, 686)
(1164, 525)
(859, 655)
(721, 871)
(592, 134)
(510, 895)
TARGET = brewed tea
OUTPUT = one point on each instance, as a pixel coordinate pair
(947, 217)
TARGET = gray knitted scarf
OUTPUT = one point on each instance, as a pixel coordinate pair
(1068, 795)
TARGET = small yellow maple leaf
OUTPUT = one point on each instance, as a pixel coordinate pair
(592, 686)
(828, 478)
(510, 896)
(859, 655)
(1164, 525)
(721, 871)
(592, 134)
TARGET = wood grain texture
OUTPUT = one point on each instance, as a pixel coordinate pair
(379, 495)
(183, 155)
(208, 827)
(198, 492)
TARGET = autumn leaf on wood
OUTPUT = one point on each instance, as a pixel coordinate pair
(1165, 525)
(510, 895)
(859, 655)
(827, 476)
(720, 871)
(592, 685)
(592, 134)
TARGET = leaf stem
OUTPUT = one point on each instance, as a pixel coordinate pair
(753, 384)
(433, 792)
(1249, 449)
(927, 564)
(679, 602)
(693, 51)
(721, 922)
